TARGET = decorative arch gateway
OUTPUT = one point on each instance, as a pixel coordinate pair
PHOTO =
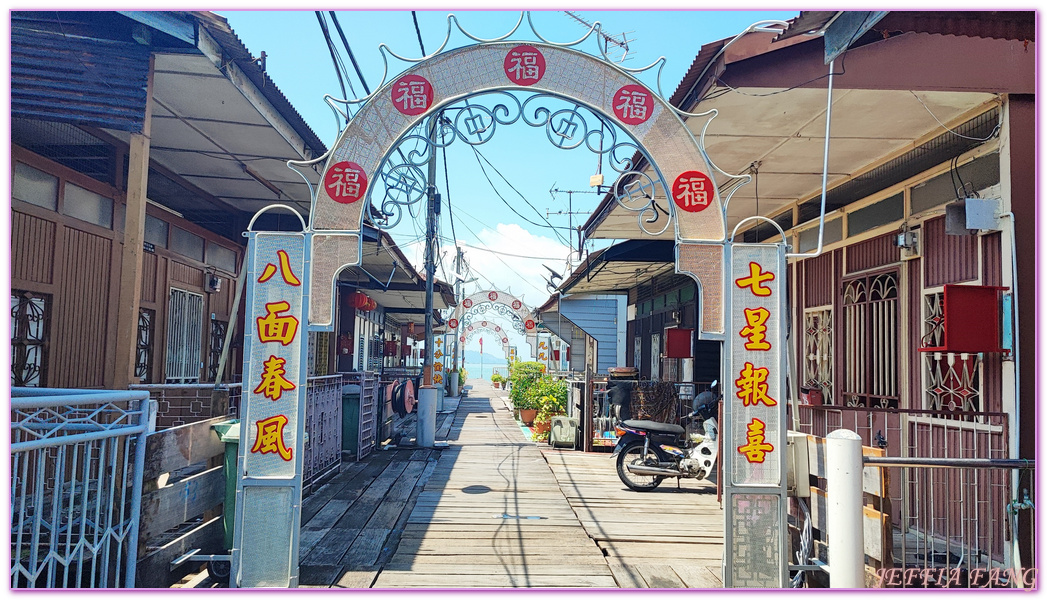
(501, 303)
(472, 331)
(302, 298)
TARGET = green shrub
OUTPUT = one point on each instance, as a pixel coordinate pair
(522, 377)
(497, 378)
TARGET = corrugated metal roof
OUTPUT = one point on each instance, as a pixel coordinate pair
(57, 76)
(219, 29)
(1006, 25)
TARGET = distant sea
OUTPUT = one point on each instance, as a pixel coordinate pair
(474, 371)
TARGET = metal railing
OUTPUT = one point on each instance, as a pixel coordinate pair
(323, 427)
(184, 403)
(77, 458)
(942, 518)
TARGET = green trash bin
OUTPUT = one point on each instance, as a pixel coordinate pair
(350, 418)
(229, 433)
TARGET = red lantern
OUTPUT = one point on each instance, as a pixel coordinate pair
(371, 304)
(357, 299)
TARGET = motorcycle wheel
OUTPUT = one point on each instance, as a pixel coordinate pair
(634, 454)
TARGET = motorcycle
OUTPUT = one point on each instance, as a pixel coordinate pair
(648, 451)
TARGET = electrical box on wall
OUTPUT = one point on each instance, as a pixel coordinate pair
(970, 320)
(678, 343)
(214, 283)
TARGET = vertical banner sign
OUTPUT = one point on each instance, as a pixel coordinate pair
(754, 413)
(438, 361)
(272, 413)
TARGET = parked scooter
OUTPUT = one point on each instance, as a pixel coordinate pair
(649, 451)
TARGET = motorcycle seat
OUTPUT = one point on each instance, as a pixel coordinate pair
(654, 426)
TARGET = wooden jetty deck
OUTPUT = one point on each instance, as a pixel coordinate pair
(495, 510)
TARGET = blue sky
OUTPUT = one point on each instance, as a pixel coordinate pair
(519, 160)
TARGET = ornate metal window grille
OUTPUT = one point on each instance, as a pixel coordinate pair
(144, 352)
(218, 329)
(568, 125)
(30, 332)
(185, 321)
(870, 341)
(818, 351)
(952, 382)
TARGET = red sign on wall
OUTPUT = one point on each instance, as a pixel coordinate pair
(412, 94)
(346, 182)
(524, 65)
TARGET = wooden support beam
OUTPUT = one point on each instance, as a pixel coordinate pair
(131, 256)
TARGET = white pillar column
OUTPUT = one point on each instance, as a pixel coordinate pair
(843, 474)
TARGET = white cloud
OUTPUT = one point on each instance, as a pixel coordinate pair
(518, 270)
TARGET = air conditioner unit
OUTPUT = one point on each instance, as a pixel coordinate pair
(564, 431)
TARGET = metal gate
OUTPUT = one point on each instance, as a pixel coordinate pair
(185, 323)
(77, 458)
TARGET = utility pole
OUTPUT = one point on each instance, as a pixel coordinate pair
(570, 199)
(428, 396)
(457, 297)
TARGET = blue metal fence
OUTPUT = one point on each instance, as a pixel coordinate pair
(77, 458)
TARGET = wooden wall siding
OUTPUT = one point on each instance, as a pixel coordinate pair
(914, 396)
(32, 248)
(80, 318)
(149, 265)
(221, 303)
(877, 252)
(948, 258)
(182, 273)
(992, 365)
(818, 280)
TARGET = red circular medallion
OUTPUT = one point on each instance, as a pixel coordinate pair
(633, 104)
(529, 324)
(467, 303)
(505, 340)
(517, 304)
(524, 65)
(483, 323)
(693, 191)
(462, 339)
(345, 182)
(412, 94)
(492, 296)
(453, 323)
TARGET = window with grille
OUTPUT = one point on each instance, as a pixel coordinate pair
(144, 351)
(870, 341)
(185, 319)
(30, 331)
(818, 351)
(952, 381)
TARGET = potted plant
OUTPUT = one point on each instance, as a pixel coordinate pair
(497, 379)
(549, 407)
(528, 407)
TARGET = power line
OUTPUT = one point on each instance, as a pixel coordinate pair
(330, 48)
(506, 202)
(414, 15)
(349, 51)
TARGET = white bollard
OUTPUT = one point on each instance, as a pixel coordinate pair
(439, 399)
(427, 399)
(453, 392)
(843, 474)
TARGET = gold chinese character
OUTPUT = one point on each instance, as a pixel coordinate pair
(755, 329)
(273, 381)
(755, 448)
(285, 270)
(755, 280)
(270, 438)
(439, 366)
(274, 327)
(752, 386)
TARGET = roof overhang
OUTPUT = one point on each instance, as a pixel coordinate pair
(890, 95)
(220, 124)
(620, 267)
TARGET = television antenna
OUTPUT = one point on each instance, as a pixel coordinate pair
(608, 40)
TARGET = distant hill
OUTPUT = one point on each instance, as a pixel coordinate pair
(473, 357)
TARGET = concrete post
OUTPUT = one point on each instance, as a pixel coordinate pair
(843, 474)
(427, 399)
(454, 384)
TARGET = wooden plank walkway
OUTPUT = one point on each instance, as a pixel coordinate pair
(495, 510)
(492, 515)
